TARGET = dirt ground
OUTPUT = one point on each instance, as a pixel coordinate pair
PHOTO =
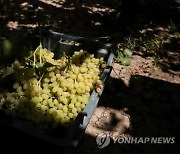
(140, 100)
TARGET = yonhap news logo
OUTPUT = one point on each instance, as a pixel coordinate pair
(104, 140)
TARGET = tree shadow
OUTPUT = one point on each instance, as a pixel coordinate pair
(153, 108)
(113, 21)
(153, 105)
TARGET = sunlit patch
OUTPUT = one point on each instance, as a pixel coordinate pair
(98, 9)
(146, 30)
(55, 3)
(26, 6)
(29, 25)
(119, 72)
(159, 28)
(113, 121)
(13, 24)
(69, 8)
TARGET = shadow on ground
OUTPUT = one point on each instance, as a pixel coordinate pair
(152, 105)
(153, 108)
(113, 21)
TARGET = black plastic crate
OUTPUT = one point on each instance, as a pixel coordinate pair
(59, 43)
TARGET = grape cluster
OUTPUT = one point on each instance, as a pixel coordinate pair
(59, 93)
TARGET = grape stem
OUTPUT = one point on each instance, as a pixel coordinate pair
(38, 83)
(40, 47)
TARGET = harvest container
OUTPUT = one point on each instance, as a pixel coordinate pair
(59, 43)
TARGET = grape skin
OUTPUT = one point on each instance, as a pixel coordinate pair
(61, 94)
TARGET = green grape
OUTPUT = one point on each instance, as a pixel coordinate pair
(57, 119)
(78, 109)
(62, 121)
(60, 114)
(16, 102)
(34, 81)
(65, 109)
(45, 85)
(25, 86)
(54, 112)
(82, 106)
(45, 102)
(87, 88)
(72, 76)
(67, 119)
(73, 100)
(61, 78)
(55, 89)
(51, 74)
(77, 104)
(45, 96)
(51, 104)
(81, 85)
(53, 79)
(38, 105)
(46, 91)
(43, 108)
(79, 91)
(72, 96)
(70, 115)
(64, 100)
(20, 93)
(65, 94)
(73, 91)
(83, 69)
(71, 105)
(75, 114)
(56, 103)
(80, 78)
(19, 88)
(60, 106)
(57, 96)
(59, 91)
(74, 110)
(49, 100)
(70, 81)
(58, 76)
(76, 70)
(46, 80)
(98, 90)
(15, 85)
(79, 98)
(50, 111)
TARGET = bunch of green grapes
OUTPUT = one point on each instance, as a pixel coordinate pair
(58, 95)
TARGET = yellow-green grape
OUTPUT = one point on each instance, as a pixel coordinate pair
(83, 69)
(65, 109)
(46, 80)
(57, 96)
(70, 115)
(82, 106)
(74, 110)
(77, 104)
(51, 74)
(45, 96)
(15, 85)
(80, 78)
(98, 90)
(79, 109)
(71, 105)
